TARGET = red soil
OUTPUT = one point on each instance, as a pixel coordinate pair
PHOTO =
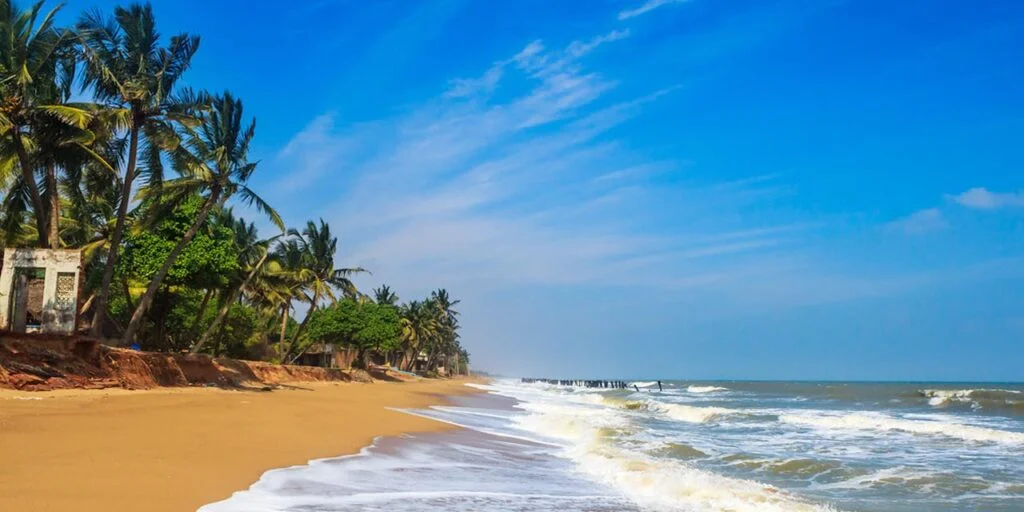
(44, 362)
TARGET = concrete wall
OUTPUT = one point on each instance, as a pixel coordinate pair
(58, 317)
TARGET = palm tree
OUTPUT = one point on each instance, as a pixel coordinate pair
(285, 285)
(213, 162)
(316, 249)
(60, 150)
(13, 213)
(385, 296)
(91, 192)
(36, 71)
(446, 341)
(419, 329)
(135, 78)
(250, 247)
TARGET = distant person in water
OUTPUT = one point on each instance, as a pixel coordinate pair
(659, 386)
(636, 388)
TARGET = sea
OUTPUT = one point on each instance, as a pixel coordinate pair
(692, 446)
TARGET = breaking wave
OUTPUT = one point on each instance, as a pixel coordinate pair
(679, 412)
(693, 414)
(656, 482)
(993, 399)
(705, 389)
(876, 422)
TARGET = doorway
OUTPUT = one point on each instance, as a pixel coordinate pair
(27, 307)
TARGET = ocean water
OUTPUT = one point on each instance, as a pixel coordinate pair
(695, 446)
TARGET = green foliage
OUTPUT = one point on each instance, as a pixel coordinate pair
(181, 320)
(209, 260)
(366, 326)
(237, 336)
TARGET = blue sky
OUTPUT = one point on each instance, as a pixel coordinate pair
(770, 189)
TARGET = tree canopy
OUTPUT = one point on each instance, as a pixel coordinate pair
(361, 325)
(208, 261)
(103, 149)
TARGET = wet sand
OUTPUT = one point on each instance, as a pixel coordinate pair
(176, 449)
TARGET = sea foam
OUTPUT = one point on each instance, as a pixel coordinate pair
(694, 414)
(661, 484)
(878, 422)
(705, 389)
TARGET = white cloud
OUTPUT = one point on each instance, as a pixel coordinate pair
(648, 6)
(921, 221)
(485, 84)
(982, 199)
(579, 49)
(313, 152)
(536, 188)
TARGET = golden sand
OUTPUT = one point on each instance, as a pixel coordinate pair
(176, 449)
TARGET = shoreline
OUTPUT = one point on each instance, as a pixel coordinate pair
(177, 449)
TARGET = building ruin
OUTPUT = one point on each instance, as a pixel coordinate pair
(39, 290)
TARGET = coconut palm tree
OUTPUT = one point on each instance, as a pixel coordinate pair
(213, 163)
(135, 78)
(419, 329)
(36, 71)
(62, 149)
(316, 248)
(284, 285)
(385, 296)
(14, 211)
(91, 192)
(445, 343)
(249, 248)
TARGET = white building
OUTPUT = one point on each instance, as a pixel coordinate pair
(39, 290)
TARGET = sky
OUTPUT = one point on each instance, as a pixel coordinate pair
(752, 189)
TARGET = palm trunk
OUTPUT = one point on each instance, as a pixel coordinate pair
(147, 298)
(302, 327)
(127, 293)
(115, 240)
(53, 230)
(227, 304)
(297, 356)
(284, 328)
(202, 312)
(30, 181)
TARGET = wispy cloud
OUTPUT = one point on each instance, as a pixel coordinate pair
(648, 6)
(526, 176)
(313, 152)
(983, 199)
(537, 188)
(581, 48)
(919, 222)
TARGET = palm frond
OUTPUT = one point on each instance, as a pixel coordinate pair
(252, 199)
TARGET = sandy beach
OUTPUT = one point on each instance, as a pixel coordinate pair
(177, 449)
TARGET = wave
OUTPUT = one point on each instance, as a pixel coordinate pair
(803, 467)
(876, 422)
(659, 483)
(918, 480)
(693, 414)
(705, 389)
(666, 484)
(679, 412)
(644, 384)
(981, 398)
(679, 451)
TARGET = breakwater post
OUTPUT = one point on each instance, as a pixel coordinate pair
(605, 384)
